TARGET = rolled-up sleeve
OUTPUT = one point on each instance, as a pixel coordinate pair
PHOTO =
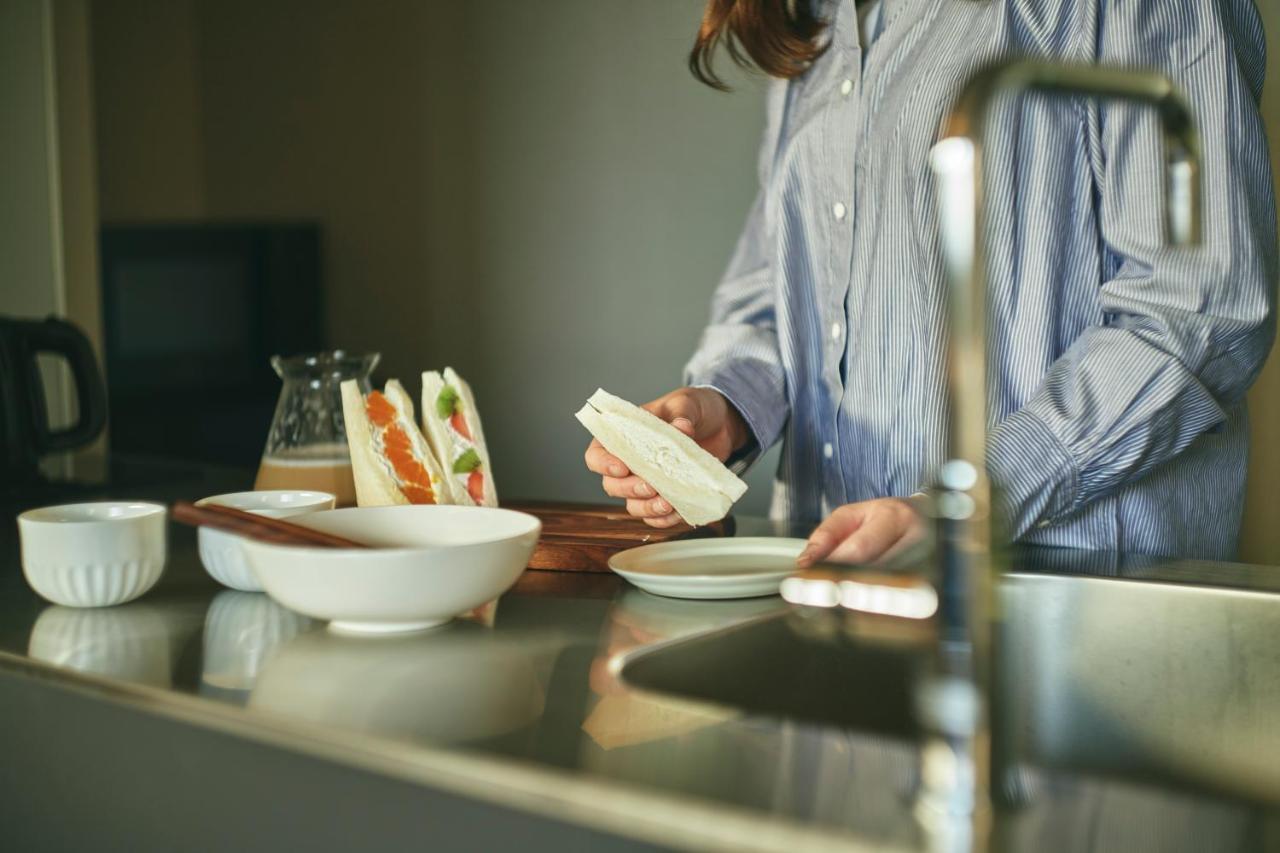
(1183, 331)
(738, 354)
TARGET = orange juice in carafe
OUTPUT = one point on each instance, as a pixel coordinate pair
(319, 468)
(307, 445)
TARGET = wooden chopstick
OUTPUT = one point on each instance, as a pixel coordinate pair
(243, 523)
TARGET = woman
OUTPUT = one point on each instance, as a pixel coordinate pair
(1119, 366)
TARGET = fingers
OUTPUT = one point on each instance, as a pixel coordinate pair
(877, 534)
(628, 487)
(839, 526)
(603, 462)
(867, 532)
(914, 537)
(642, 498)
(656, 508)
(681, 410)
(655, 513)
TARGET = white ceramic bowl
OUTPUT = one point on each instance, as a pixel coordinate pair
(428, 565)
(93, 554)
(220, 552)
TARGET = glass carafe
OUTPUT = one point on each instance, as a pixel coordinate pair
(307, 445)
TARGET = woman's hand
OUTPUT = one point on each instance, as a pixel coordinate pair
(700, 413)
(865, 532)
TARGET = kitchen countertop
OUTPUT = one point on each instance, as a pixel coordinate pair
(519, 707)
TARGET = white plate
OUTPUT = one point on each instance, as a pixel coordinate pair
(710, 568)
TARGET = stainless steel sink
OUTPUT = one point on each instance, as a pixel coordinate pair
(1142, 679)
(1145, 678)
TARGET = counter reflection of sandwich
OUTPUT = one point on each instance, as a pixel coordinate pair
(696, 484)
(391, 460)
(452, 424)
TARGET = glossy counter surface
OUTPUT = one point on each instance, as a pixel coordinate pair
(521, 706)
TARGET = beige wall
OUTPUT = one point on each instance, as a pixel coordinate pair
(48, 209)
(522, 190)
(482, 172)
(345, 112)
(31, 261)
(78, 188)
(146, 85)
(1260, 540)
(30, 252)
(607, 191)
(77, 165)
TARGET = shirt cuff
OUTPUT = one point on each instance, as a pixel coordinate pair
(757, 398)
(1034, 480)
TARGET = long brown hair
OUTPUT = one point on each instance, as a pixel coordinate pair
(780, 37)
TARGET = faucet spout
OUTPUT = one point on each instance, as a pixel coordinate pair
(1181, 139)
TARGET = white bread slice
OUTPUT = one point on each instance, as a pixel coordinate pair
(696, 484)
(374, 486)
(438, 432)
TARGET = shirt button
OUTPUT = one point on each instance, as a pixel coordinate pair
(839, 210)
(846, 87)
(828, 451)
(836, 331)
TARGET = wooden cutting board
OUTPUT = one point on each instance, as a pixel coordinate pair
(582, 537)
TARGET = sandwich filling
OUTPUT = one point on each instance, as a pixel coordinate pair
(659, 451)
(463, 459)
(401, 448)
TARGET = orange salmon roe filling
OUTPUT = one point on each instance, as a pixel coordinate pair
(415, 482)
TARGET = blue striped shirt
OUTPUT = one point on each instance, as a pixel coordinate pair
(1118, 366)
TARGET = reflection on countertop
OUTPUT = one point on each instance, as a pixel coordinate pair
(532, 685)
(242, 630)
(137, 643)
(458, 683)
(620, 716)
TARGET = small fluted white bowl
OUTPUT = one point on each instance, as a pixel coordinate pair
(220, 552)
(427, 565)
(93, 554)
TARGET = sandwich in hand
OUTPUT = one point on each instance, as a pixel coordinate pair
(696, 484)
(391, 460)
(452, 424)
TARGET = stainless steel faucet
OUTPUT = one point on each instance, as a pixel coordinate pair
(954, 699)
(962, 496)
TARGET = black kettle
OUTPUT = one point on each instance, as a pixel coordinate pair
(25, 435)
